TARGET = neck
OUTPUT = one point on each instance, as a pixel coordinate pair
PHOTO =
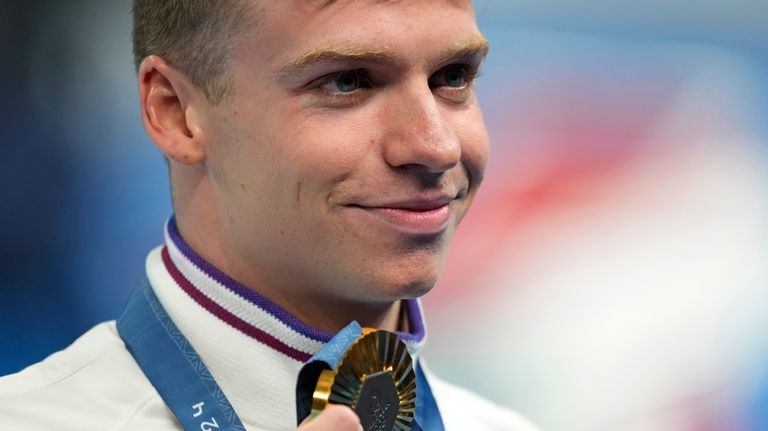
(332, 316)
(321, 310)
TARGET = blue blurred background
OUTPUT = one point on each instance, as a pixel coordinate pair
(612, 275)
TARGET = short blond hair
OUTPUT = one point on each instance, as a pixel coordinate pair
(194, 36)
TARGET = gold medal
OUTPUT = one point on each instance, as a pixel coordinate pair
(375, 377)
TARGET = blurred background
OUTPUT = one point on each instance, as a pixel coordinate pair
(611, 276)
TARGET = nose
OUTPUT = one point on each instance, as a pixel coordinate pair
(418, 133)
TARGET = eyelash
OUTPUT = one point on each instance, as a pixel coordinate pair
(351, 98)
(354, 97)
(471, 74)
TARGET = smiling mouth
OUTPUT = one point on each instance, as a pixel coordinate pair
(418, 217)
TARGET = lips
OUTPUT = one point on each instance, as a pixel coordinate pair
(420, 216)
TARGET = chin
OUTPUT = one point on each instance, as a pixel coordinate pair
(406, 284)
(410, 270)
(415, 274)
(417, 289)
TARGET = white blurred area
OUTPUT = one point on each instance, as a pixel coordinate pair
(612, 275)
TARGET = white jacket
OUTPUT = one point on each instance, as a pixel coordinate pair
(95, 384)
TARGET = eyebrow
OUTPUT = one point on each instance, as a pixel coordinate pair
(475, 47)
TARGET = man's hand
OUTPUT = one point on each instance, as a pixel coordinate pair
(334, 418)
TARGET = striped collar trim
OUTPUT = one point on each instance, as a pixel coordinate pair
(253, 314)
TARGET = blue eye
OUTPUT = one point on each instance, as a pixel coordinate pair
(347, 82)
(343, 88)
(456, 77)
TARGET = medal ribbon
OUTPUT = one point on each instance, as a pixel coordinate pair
(172, 365)
(186, 385)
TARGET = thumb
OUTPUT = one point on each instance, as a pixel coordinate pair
(333, 418)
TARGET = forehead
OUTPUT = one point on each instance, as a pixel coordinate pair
(411, 28)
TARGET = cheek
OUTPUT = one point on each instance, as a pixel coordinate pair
(248, 165)
(470, 129)
(249, 160)
(327, 149)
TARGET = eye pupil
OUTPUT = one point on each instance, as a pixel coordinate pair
(456, 77)
(347, 82)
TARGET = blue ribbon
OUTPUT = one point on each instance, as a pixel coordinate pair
(172, 365)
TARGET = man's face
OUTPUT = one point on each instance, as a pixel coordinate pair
(351, 146)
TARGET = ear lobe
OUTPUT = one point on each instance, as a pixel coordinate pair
(168, 108)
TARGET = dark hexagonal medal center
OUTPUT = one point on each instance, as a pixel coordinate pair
(378, 403)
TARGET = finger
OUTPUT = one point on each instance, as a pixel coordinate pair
(334, 418)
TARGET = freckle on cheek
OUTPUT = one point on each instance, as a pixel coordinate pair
(242, 186)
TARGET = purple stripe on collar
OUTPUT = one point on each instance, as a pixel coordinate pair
(416, 328)
(229, 318)
(248, 294)
(415, 319)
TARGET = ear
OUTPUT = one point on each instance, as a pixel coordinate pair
(171, 108)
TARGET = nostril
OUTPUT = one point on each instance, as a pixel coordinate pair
(427, 179)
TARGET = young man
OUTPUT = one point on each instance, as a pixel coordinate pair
(321, 156)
